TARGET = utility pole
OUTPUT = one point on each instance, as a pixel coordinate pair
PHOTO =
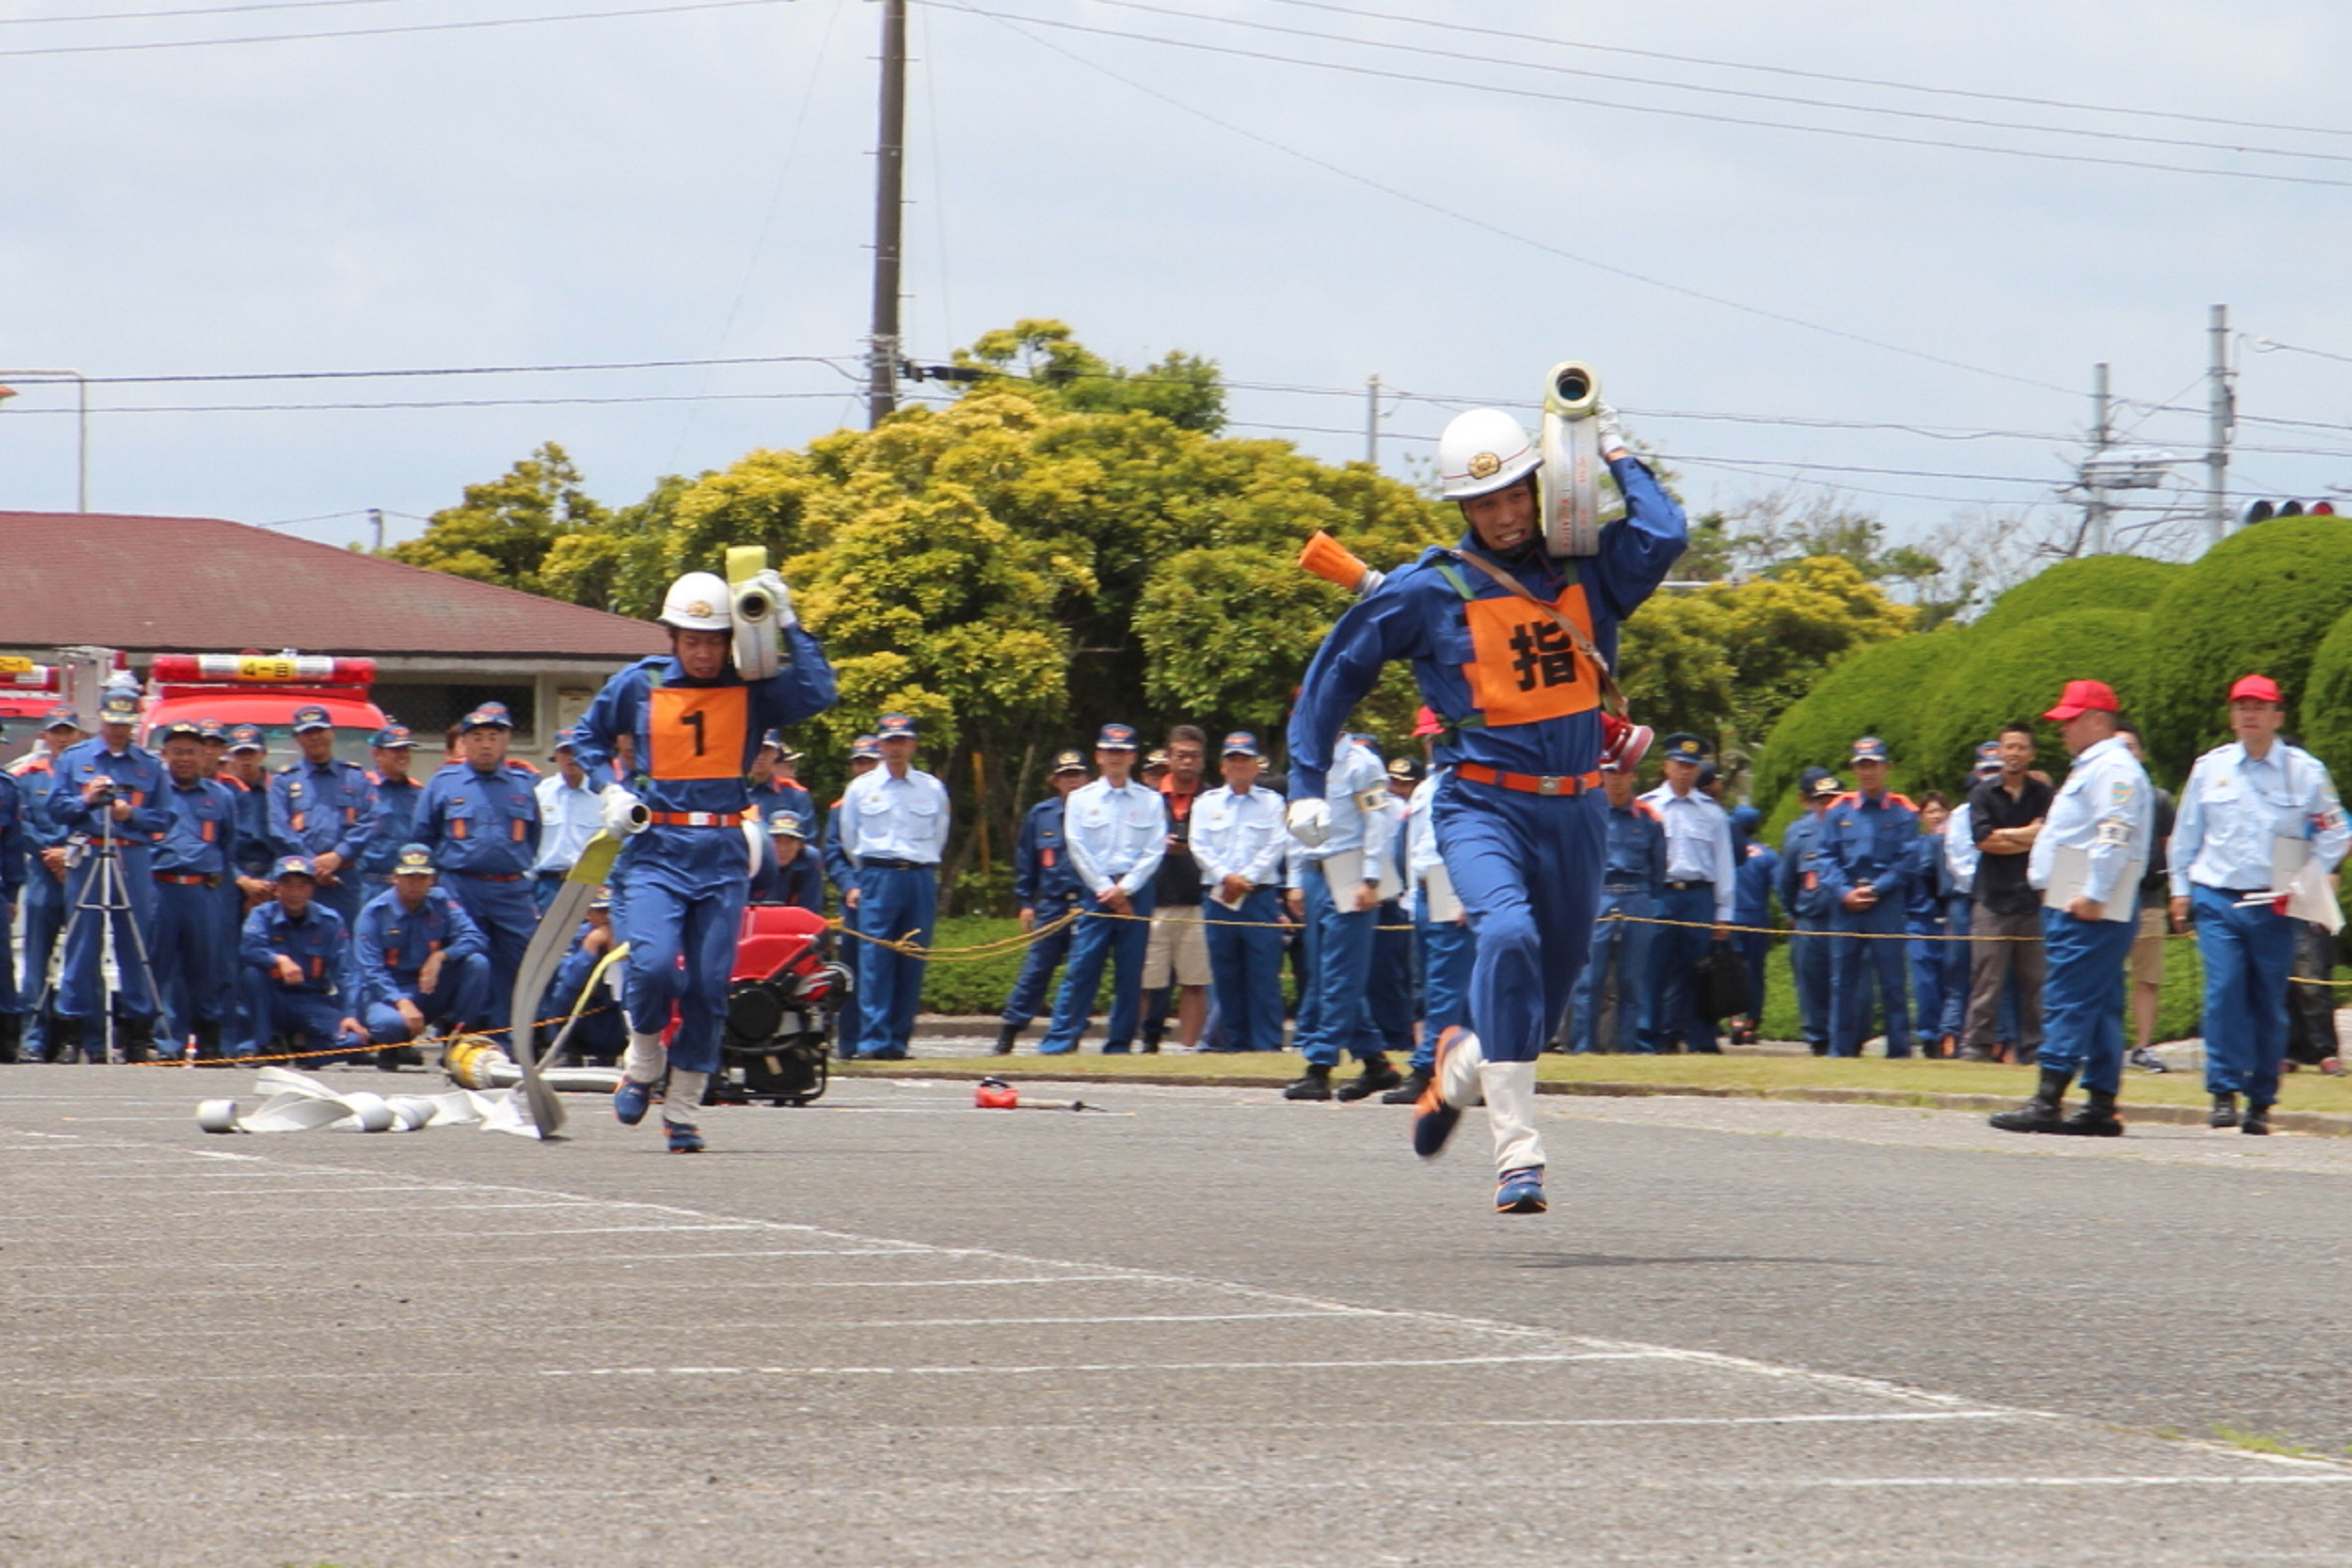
(889, 170)
(2217, 440)
(1372, 422)
(376, 517)
(2095, 506)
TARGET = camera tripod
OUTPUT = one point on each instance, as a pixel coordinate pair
(104, 892)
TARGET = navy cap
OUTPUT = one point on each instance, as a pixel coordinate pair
(307, 718)
(211, 729)
(245, 738)
(59, 717)
(1405, 769)
(1868, 749)
(1989, 758)
(1811, 777)
(1826, 784)
(772, 741)
(1241, 743)
(865, 747)
(1686, 748)
(1745, 817)
(1116, 738)
(182, 729)
(293, 865)
(896, 727)
(786, 755)
(414, 860)
(1069, 761)
(490, 715)
(1707, 774)
(1157, 759)
(396, 738)
(602, 900)
(784, 819)
(119, 707)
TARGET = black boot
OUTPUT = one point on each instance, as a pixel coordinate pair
(1005, 1037)
(2097, 1118)
(208, 1044)
(1376, 1077)
(65, 1038)
(136, 1036)
(2039, 1114)
(1409, 1091)
(2224, 1113)
(2257, 1120)
(12, 1035)
(1315, 1084)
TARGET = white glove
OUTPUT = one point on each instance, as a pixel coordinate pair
(1606, 426)
(1310, 823)
(774, 585)
(624, 813)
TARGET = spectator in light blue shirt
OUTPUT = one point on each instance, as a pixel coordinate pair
(1116, 830)
(894, 832)
(570, 813)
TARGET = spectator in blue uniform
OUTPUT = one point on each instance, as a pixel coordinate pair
(1866, 843)
(1696, 899)
(44, 894)
(601, 1033)
(790, 872)
(1239, 838)
(1807, 904)
(109, 791)
(194, 965)
(396, 796)
(1961, 856)
(1115, 828)
(1926, 917)
(865, 756)
(13, 857)
(480, 818)
(895, 823)
(1045, 888)
(422, 961)
(1614, 995)
(1751, 911)
(1445, 953)
(1346, 878)
(775, 783)
(300, 983)
(324, 809)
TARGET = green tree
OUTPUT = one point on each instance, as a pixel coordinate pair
(504, 530)
(1182, 388)
(2012, 673)
(1875, 691)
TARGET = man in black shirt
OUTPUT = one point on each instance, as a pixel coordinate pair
(2005, 813)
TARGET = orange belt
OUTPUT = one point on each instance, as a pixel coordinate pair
(187, 879)
(695, 819)
(1528, 784)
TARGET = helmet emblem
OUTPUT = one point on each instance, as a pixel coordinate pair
(1484, 466)
(699, 607)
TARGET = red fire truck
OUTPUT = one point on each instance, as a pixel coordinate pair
(264, 689)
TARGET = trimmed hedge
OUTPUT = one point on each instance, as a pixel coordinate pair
(2087, 582)
(1872, 692)
(2325, 719)
(2015, 671)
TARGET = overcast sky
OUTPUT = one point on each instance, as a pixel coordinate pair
(695, 185)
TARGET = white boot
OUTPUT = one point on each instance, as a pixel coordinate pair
(1458, 1071)
(1510, 1110)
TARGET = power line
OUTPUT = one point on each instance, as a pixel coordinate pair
(194, 11)
(1498, 89)
(1788, 98)
(469, 26)
(456, 403)
(2268, 345)
(832, 361)
(1496, 229)
(1456, 26)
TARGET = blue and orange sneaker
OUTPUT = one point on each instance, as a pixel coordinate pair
(631, 1099)
(1433, 1119)
(1521, 1191)
(686, 1138)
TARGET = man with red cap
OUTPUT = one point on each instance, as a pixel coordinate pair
(2253, 814)
(2087, 863)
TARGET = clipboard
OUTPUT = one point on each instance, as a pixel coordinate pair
(1444, 904)
(1344, 868)
(2070, 869)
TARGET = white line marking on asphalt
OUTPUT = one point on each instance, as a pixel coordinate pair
(990, 1369)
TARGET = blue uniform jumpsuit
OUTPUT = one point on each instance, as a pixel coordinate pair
(1751, 904)
(483, 830)
(391, 945)
(320, 945)
(139, 778)
(1700, 889)
(896, 832)
(44, 894)
(394, 829)
(1613, 995)
(1517, 698)
(1867, 842)
(317, 808)
(194, 966)
(602, 1033)
(13, 839)
(1926, 903)
(1243, 836)
(2241, 822)
(2104, 816)
(1807, 904)
(801, 883)
(1340, 1018)
(1116, 838)
(776, 794)
(1045, 884)
(1444, 951)
(850, 1023)
(679, 887)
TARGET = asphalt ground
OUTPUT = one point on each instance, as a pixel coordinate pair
(1201, 1327)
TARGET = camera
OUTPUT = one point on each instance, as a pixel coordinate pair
(105, 795)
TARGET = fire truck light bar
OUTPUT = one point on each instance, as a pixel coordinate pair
(273, 669)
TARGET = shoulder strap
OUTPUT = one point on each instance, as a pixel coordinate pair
(1610, 697)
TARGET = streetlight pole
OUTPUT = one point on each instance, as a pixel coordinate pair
(82, 421)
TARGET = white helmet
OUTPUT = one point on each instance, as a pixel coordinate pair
(1482, 451)
(697, 603)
